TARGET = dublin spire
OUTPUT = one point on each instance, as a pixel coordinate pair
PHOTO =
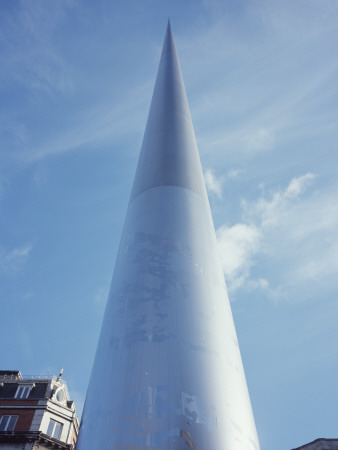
(168, 372)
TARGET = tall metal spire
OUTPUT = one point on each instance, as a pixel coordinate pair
(169, 155)
(168, 372)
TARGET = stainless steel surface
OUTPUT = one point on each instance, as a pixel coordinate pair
(168, 372)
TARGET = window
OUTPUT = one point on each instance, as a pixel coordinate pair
(7, 423)
(23, 391)
(54, 429)
(60, 395)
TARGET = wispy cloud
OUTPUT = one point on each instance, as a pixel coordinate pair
(234, 173)
(102, 122)
(257, 93)
(269, 211)
(264, 92)
(11, 261)
(261, 139)
(101, 295)
(214, 183)
(30, 50)
(25, 343)
(40, 175)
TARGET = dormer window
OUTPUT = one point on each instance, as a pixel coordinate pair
(23, 391)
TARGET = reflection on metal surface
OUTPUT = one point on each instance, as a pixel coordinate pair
(190, 443)
(168, 372)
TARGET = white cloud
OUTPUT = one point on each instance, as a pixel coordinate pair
(237, 245)
(293, 231)
(298, 185)
(11, 261)
(213, 184)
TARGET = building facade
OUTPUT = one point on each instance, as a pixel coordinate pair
(36, 413)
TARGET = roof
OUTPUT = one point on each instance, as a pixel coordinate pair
(320, 444)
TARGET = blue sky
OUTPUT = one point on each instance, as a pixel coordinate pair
(76, 80)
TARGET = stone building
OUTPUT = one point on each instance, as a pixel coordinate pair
(36, 413)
